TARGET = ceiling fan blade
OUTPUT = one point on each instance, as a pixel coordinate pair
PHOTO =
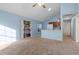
(34, 4)
(44, 6)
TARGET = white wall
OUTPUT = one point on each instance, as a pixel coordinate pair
(77, 28)
(73, 28)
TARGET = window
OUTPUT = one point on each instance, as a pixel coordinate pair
(7, 34)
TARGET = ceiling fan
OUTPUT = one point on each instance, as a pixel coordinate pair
(39, 4)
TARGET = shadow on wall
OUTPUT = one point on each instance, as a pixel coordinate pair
(7, 34)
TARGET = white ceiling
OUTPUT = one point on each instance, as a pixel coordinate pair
(26, 10)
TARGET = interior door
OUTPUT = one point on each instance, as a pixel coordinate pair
(67, 28)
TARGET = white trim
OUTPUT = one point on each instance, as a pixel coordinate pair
(22, 27)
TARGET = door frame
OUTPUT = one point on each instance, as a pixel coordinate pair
(22, 28)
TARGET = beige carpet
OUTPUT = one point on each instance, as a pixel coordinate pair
(39, 46)
(3, 45)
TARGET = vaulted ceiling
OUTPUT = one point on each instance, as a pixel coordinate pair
(26, 10)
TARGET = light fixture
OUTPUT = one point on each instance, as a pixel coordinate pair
(49, 9)
(40, 4)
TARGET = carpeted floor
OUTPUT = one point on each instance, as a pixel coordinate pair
(40, 46)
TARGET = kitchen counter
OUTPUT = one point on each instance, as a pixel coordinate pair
(52, 34)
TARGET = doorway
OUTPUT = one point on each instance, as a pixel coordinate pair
(25, 29)
(67, 28)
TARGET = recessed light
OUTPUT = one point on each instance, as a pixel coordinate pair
(49, 9)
